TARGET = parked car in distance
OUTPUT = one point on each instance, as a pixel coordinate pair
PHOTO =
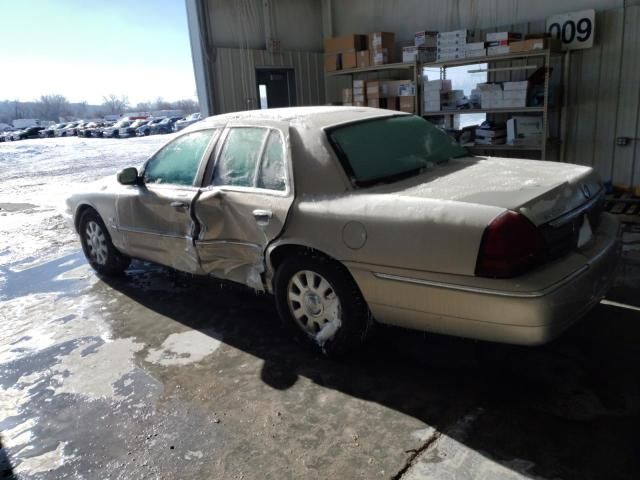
(130, 131)
(165, 126)
(50, 131)
(86, 129)
(189, 120)
(113, 131)
(145, 129)
(30, 132)
(349, 214)
(67, 131)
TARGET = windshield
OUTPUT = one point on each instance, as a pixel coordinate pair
(386, 149)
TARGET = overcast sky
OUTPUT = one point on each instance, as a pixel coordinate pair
(84, 49)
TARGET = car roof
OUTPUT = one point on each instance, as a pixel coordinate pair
(320, 117)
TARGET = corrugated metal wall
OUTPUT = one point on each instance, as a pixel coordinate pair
(604, 83)
(235, 76)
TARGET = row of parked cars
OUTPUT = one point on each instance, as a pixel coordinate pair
(123, 128)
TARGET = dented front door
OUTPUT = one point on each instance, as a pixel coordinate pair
(245, 205)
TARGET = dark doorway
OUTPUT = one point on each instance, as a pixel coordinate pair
(276, 87)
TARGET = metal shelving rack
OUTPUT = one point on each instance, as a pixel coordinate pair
(546, 55)
(412, 67)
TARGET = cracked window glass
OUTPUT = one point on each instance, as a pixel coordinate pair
(178, 162)
(239, 157)
(272, 174)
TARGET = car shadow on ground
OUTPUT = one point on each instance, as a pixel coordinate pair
(569, 409)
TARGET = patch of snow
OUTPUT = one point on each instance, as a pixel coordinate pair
(183, 348)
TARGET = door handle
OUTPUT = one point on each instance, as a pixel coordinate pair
(262, 216)
(180, 205)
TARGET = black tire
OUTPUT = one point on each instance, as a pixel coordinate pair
(110, 262)
(354, 315)
(146, 133)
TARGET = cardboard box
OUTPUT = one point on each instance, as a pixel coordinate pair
(379, 56)
(438, 85)
(359, 84)
(521, 85)
(377, 102)
(377, 89)
(362, 59)
(379, 40)
(425, 38)
(453, 34)
(501, 50)
(525, 130)
(474, 46)
(419, 54)
(394, 87)
(359, 98)
(407, 104)
(407, 89)
(497, 43)
(347, 95)
(494, 36)
(475, 53)
(392, 103)
(450, 50)
(349, 60)
(348, 42)
(332, 62)
(361, 103)
(528, 45)
(450, 56)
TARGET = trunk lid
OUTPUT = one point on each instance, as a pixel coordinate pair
(542, 191)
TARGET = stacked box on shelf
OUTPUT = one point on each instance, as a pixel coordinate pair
(490, 134)
(525, 130)
(498, 42)
(432, 94)
(347, 96)
(340, 53)
(514, 94)
(413, 54)
(452, 45)
(424, 49)
(359, 93)
(490, 95)
(381, 46)
(475, 49)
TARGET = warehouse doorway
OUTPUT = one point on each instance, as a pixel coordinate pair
(276, 87)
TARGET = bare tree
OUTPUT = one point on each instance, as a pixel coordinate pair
(114, 104)
(161, 104)
(51, 107)
(187, 106)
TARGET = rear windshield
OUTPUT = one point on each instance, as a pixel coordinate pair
(388, 149)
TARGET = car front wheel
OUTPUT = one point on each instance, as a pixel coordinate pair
(97, 246)
(318, 298)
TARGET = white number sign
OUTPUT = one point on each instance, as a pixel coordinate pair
(575, 30)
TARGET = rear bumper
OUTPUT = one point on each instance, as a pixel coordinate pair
(518, 316)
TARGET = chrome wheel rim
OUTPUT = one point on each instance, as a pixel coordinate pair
(314, 305)
(97, 243)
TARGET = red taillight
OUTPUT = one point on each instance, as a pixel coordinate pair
(511, 245)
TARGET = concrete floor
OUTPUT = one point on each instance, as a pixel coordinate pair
(157, 375)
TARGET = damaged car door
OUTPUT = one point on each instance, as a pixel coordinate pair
(155, 214)
(245, 202)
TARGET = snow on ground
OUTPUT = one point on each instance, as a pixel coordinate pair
(35, 178)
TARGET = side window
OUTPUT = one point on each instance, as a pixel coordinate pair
(272, 169)
(178, 162)
(239, 157)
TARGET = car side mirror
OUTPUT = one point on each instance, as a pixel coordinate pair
(128, 176)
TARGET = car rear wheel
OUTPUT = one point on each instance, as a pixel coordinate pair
(100, 252)
(318, 298)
